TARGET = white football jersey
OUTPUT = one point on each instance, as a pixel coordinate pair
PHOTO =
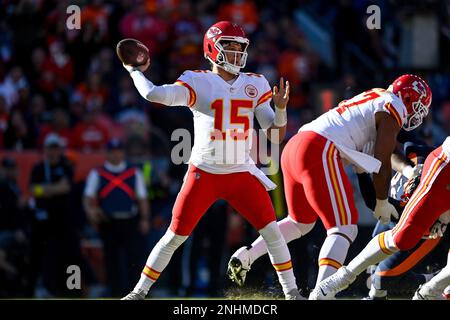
(223, 113)
(352, 123)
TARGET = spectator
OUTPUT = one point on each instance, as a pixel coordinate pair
(13, 233)
(145, 27)
(11, 85)
(242, 12)
(115, 200)
(52, 249)
(59, 125)
(89, 135)
(19, 134)
(59, 63)
(93, 92)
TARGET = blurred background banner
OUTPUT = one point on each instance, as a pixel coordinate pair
(68, 82)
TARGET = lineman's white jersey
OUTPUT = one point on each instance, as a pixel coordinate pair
(352, 123)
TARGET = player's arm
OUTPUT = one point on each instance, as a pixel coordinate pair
(387, 130)
(274, 123)
(402, 164)
(93, 212)
(169, 95)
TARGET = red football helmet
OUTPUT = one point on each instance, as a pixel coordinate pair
(215, 39)
(416, 96)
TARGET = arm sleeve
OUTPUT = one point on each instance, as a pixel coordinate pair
(263, 112)
(92, 183)
(141, 190)
(169, 95)
(265, 115)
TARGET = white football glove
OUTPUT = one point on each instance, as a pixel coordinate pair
(437, 230)
(129, 68)
(384, 210)
(410, 172)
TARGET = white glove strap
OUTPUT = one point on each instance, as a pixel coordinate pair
(280, 117)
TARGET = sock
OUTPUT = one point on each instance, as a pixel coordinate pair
(378, 249)
(279, 256)
(290, 230)
(158, 260)
(332, 255)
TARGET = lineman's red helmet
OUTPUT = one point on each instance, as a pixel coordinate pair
(216, 36)
(416, 96)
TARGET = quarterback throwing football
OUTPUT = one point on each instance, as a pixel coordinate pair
(224, 102)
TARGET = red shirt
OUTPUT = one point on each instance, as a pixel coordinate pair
(90, 137)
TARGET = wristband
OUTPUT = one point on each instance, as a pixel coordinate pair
(280, 117)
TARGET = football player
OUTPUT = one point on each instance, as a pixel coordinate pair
(361, 131)
(427, 209)
(224, 102)
(397, 274)
(438, 288)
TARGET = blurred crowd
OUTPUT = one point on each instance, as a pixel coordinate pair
(54, 80)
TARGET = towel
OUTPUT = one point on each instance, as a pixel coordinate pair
(360, 160)
(267, 183)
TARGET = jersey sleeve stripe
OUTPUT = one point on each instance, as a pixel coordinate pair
(394, 113)
(192, 95)
(266, 96)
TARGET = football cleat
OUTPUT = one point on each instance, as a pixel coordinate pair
(329, 287)
(239, 265)
(294, 295)
(135, 296)
(426, 293)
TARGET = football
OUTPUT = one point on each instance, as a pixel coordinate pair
(132, 52)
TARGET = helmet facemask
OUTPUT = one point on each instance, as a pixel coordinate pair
(420, 111)
(239, 58)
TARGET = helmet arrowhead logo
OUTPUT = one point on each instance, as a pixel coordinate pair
(419, 88)
(213, 32)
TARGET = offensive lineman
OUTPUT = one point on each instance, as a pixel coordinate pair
(224, 102)
(428, 204)
(361, 131)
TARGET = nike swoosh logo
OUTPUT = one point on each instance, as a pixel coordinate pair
(324, 294)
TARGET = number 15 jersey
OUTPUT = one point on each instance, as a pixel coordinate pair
(224, 118)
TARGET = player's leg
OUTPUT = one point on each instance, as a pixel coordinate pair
(434, 289)
(329, 193)
(248, 197)
(395, 273)
(197, 194)
(300, 221)
(422, 210)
